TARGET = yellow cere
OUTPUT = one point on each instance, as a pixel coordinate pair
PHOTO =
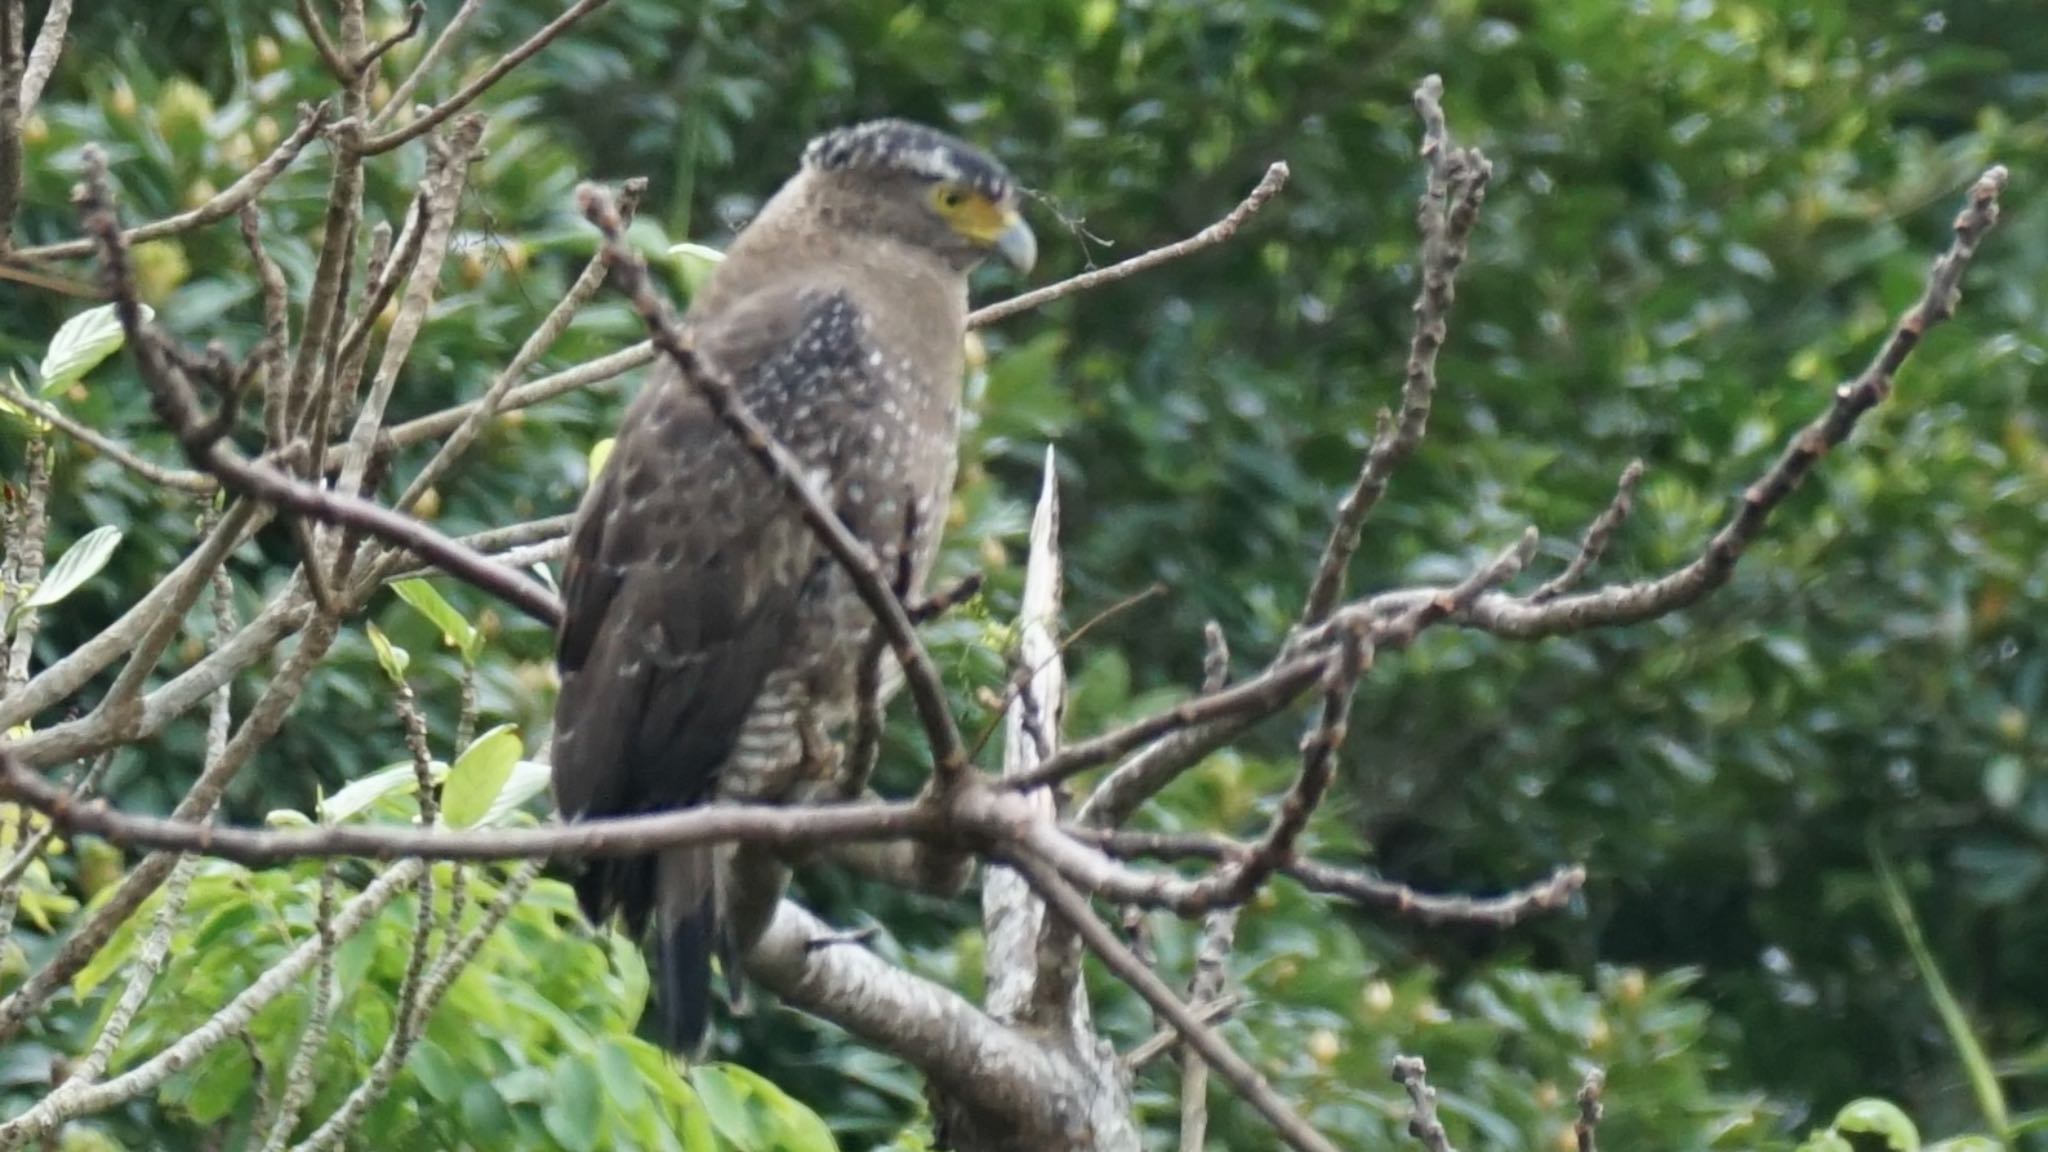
(972, 214)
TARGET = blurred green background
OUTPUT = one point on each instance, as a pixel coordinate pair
(1703, 216)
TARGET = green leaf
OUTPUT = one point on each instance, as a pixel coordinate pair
(80, 563)
(725, 1102)
(399, 779)
(437, 1072)
(527, 780)
(622, 1079)
(81, 343)
(753, 1113)
(390, 657)
(479, 775)
(287, 818)
(1976, 1064)
(10, 408)
(1871, 1116)
(456, 632)
(573, 1113)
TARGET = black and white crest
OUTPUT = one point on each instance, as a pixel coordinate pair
(901, 146)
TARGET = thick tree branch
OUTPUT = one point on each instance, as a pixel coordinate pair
(42, 61)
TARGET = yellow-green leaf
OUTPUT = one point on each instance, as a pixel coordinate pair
(81, 343)
(479, 775)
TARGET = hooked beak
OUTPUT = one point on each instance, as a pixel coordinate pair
(1016, 242)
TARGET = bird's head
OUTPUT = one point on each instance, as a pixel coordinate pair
(921, 187)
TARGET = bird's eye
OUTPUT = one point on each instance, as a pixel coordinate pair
(950, 198)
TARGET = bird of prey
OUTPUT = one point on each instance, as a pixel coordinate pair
(708, 641)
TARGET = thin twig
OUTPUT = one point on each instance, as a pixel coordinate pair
(1598, 534)
(1212, 1011)
(1063, 901)
(558, 320)
(449, 157)
(1219, 933)
(300, 1078)
(427, 60)
(1590, 1110)
(1411, 1074)
(432, 117)
(1268, 187)
(1449, 206)
(1362, 887)
(316, 31)
(177, 406)
(1622, 604)
(230, 200)
(276, 326)
(415, 13)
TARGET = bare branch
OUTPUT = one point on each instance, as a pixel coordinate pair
(1033, 967)
(432, 117)
(1219, 932)
(1590, 1110)
(967, 1056)
(1211, 1011)
(1597, 536)
(415, 13)
(1215, 658)
(625, 836)
(276, 326)
(1364, 888)
(197, 483)
(312, 118)
(427, 60)
(177, 405)
(546, 388)
(27, 545)
(336, 61)
(1411, 1074)
(1071, 906)
(536, 346)
(450, 155)
(299, 1082)
(1268, 187)
(42, 61)
(1450, 204)
(13, 31)
(1620, 604)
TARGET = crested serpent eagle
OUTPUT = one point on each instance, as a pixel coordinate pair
(708, 640)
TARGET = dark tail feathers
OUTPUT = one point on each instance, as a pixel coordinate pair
(683, 960)
(677, 893)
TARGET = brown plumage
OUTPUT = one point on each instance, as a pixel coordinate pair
(707, 639)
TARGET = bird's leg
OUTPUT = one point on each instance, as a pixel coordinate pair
(821, 754)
